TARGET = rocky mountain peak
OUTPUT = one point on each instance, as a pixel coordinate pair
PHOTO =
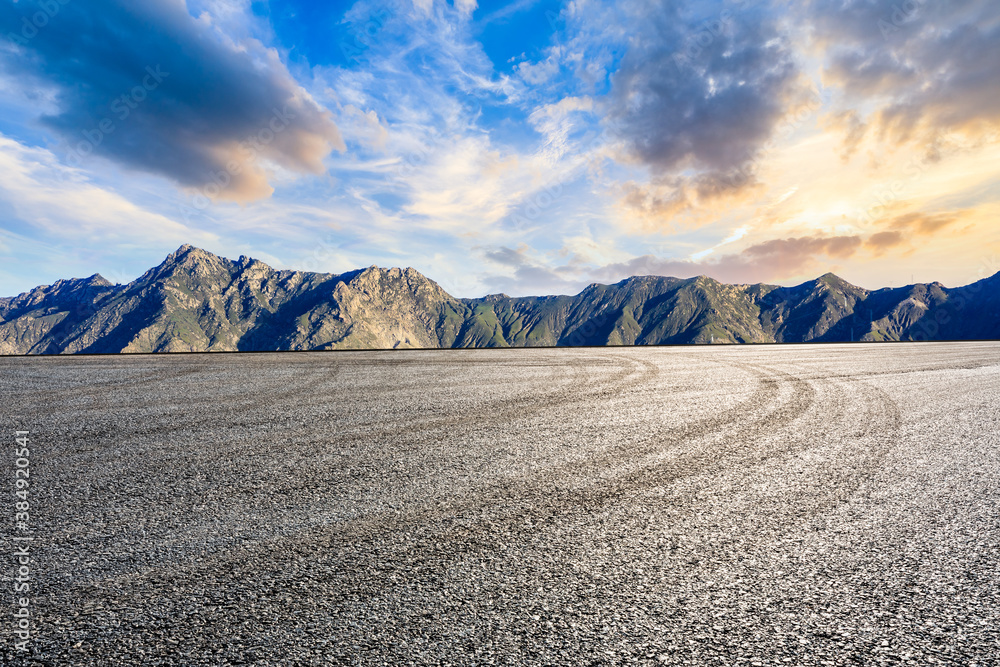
(97, 280)
(187, 254)
(249, 265)
(201, 301)
(374, 274)
(191, 261)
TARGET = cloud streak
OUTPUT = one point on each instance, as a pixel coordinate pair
(775, 260)
(918, 71)
(152, 87)
(701, 98)
(60, 203)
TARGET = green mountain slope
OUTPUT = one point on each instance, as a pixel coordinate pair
(197, 301)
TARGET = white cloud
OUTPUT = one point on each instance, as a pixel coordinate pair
(466, 7)
(61, 203)
(732, 238)
(536, 74)
(554, 122)
(422, 157)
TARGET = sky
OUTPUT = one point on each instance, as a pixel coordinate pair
(522, 146)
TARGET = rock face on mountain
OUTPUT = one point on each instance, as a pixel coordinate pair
(39, 321)
(197, 301)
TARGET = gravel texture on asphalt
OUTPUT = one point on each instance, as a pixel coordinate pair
(776, 505)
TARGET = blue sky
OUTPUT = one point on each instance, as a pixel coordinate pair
(530, 147)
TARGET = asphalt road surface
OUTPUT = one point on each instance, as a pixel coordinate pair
(775, 505)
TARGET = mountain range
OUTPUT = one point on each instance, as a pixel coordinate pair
(197, 301)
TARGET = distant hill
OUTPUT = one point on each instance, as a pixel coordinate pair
(197, 301)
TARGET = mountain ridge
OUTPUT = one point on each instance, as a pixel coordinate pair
(198, 301)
